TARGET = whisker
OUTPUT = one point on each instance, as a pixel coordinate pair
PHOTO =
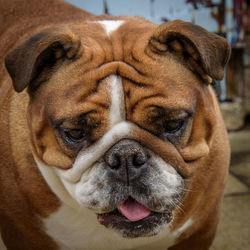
(186, 189)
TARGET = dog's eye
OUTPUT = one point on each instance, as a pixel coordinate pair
(74, 135)
(173, 126)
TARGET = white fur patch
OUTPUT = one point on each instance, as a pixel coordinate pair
(117, 108)
(111, 25)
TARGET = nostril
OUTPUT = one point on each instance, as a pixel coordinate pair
(139, 159)
(114, 160)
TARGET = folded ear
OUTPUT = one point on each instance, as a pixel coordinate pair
(202, 52)
(33, 61)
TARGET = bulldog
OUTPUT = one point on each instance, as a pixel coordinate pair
(111, 136)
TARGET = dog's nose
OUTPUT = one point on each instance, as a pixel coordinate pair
(126, 160)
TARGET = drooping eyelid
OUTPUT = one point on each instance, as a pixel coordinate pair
(70, 122)
(56, 123)
(64, 124)
(170, 113)
(178, 114)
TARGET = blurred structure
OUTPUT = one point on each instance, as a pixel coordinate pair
(204, 13)
(236, 106)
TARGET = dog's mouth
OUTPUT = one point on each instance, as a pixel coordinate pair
(133, 219)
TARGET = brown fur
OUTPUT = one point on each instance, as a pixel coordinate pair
(168, 66)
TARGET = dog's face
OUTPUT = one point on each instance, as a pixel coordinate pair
(122, 118)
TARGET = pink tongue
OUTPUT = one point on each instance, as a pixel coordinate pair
(133, 210)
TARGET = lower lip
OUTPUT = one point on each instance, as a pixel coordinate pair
(117, 221)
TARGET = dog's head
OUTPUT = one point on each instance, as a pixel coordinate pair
(123, 114)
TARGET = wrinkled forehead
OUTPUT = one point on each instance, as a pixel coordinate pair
(113, 64)
(72, 96)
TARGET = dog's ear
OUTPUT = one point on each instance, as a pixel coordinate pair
(33, 61)
(202, 52)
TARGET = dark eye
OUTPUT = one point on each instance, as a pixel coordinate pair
(173, 126)
(74, 135)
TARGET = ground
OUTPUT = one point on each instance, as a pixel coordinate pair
(234, 228)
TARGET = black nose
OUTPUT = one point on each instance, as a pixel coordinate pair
(126, 160)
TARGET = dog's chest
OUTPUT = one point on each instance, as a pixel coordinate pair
(72, 229)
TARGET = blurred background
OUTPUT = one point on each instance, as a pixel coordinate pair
(230, 19)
